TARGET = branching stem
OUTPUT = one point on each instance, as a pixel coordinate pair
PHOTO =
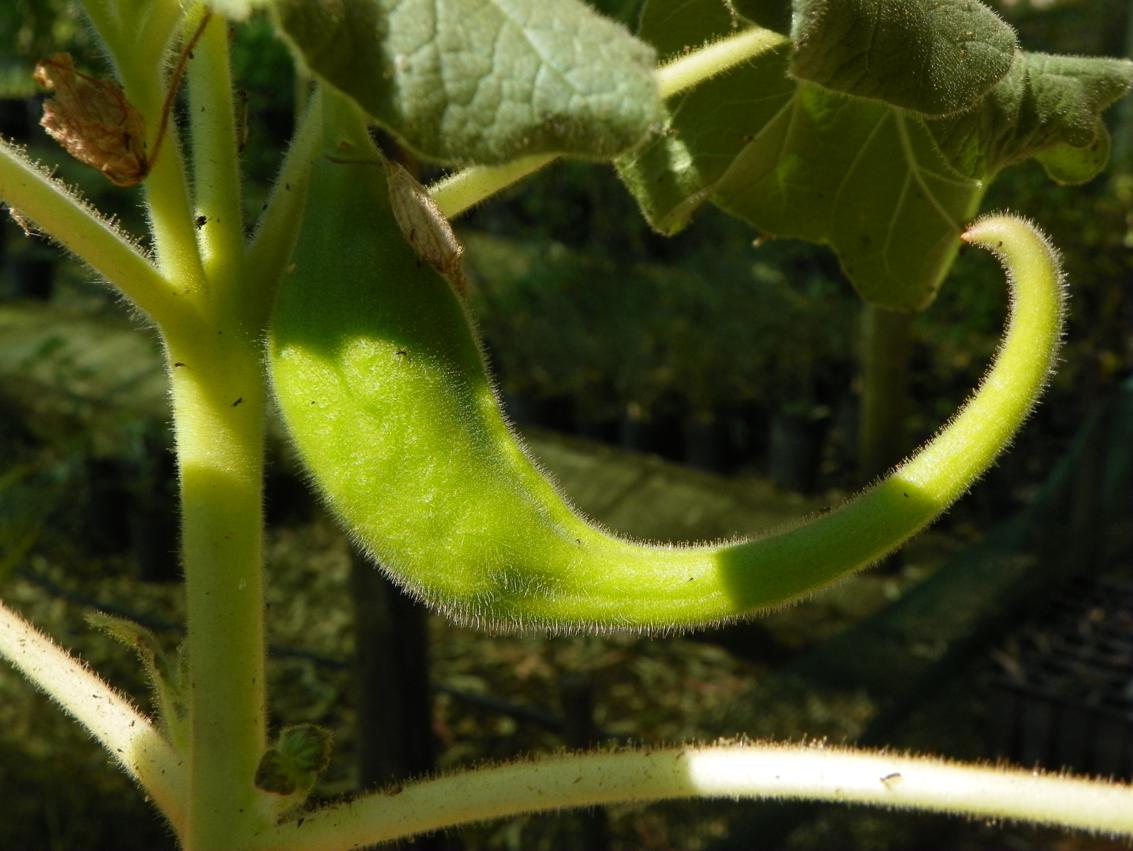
(269, 251)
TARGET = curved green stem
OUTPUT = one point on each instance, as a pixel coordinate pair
(761, 772)
(270, 249)
(216, 170)
(123, 732)
(671, 586)
(465, 189)
(985, 425)
(63, 217)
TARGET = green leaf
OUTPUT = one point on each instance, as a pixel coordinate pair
(929, 56)
(864, 178)
(796, 160)
(294, 763)
(483, 81)
(1047, 106)
(677, 169)
(887, 188)
(167, 675)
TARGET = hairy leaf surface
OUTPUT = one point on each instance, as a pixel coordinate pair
(929, 56)
(887, 188)
(483, 81)
(1047, 106)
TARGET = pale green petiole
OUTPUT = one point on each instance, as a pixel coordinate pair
(462, 190)
(61, 215)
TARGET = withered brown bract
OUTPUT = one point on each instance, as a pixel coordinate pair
(93, 121)
(424, 226)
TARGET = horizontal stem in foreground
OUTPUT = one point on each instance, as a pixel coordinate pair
(123, 732)
(758, 771)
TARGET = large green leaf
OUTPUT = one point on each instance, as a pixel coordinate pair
(796, 160)
(483, 81)
(929, 56)
(1047, 106)
(886, 188)
(863, 177)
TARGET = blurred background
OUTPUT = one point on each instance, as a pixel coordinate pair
(683, 388)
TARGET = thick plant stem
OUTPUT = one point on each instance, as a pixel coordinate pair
(885, 343)
(218, 402)
(761, 772)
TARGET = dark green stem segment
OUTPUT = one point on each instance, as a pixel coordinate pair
(886, 340)
(383, 386)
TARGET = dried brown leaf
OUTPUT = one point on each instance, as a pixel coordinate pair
(424, 226)
(93, 121)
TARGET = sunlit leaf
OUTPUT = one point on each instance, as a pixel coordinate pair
(483, 81)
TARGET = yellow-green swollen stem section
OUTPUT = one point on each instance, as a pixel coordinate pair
(218, 401)
(383, 386)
